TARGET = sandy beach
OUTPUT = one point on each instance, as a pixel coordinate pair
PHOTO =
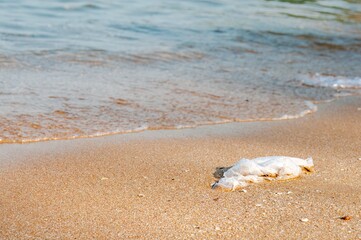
(156, 184)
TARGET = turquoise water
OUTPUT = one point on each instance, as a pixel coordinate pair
(86, 68)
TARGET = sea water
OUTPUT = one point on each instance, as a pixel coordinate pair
(87, 68)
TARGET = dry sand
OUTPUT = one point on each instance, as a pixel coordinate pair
(156, 184)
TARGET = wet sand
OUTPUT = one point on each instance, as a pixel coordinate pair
(156, 184)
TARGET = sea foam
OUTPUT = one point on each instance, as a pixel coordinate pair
(256, 170)
(337, 82)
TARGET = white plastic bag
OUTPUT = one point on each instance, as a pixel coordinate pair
(247, 171)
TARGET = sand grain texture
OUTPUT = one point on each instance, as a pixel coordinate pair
(156, 184)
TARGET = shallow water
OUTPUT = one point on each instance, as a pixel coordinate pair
(86, 68)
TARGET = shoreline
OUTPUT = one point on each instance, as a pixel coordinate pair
(156, 184)
(312, 109)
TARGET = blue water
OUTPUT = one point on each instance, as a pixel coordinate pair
(137, 26)
(85, 68)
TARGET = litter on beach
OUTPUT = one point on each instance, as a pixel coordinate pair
(257, 170)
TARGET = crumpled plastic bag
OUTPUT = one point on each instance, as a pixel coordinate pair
(256, 170)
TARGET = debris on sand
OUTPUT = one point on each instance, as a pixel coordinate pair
(256, 170)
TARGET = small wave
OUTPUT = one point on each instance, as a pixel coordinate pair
(95, 57)
(332, 81)
(68, 7)
(311, 109)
